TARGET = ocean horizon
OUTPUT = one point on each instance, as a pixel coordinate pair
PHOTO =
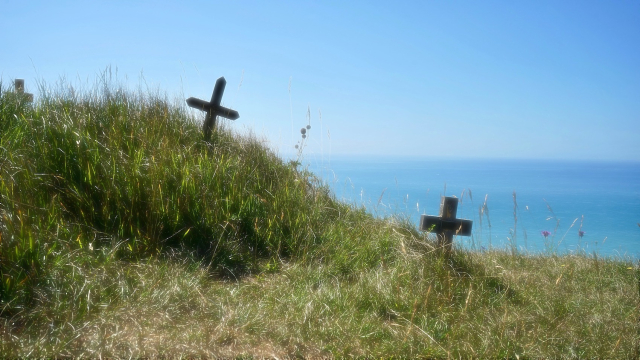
(599, 200)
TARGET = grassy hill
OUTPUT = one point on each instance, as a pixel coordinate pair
(123, 234)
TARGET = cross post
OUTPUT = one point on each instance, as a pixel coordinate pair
(446, 225)
(213, 108)
(18, 84)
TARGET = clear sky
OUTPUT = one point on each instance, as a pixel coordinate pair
(538, 79)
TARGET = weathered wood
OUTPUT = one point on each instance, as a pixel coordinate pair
(446, 225)
(213, 108)
(18, 85)
(205, 106)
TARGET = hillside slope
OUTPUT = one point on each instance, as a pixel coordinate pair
(123, 234)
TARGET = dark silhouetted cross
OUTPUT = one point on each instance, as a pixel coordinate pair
(213, 108)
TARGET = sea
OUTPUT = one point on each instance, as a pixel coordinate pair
(590, 207)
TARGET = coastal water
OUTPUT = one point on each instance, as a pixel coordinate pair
(599, 199)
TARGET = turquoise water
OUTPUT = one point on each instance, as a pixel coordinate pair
(561, 197)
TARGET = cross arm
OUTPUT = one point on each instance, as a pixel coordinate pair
(198, 104)
(228, 113)
(217, 110)
(436, 224)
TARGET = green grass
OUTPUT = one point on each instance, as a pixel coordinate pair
(123, 234)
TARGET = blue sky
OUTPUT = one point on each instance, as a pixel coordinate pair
(543, 79)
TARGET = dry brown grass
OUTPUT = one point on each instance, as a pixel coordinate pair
(500, 305)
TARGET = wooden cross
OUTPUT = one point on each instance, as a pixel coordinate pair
(446, 225)
(213, 108)
(18, 84)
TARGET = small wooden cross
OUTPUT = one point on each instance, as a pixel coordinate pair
(446, 225)
(213, 108)
(18, 84)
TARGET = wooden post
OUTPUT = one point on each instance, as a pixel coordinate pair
(18, 84)
(213, 108)
(446, 225)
